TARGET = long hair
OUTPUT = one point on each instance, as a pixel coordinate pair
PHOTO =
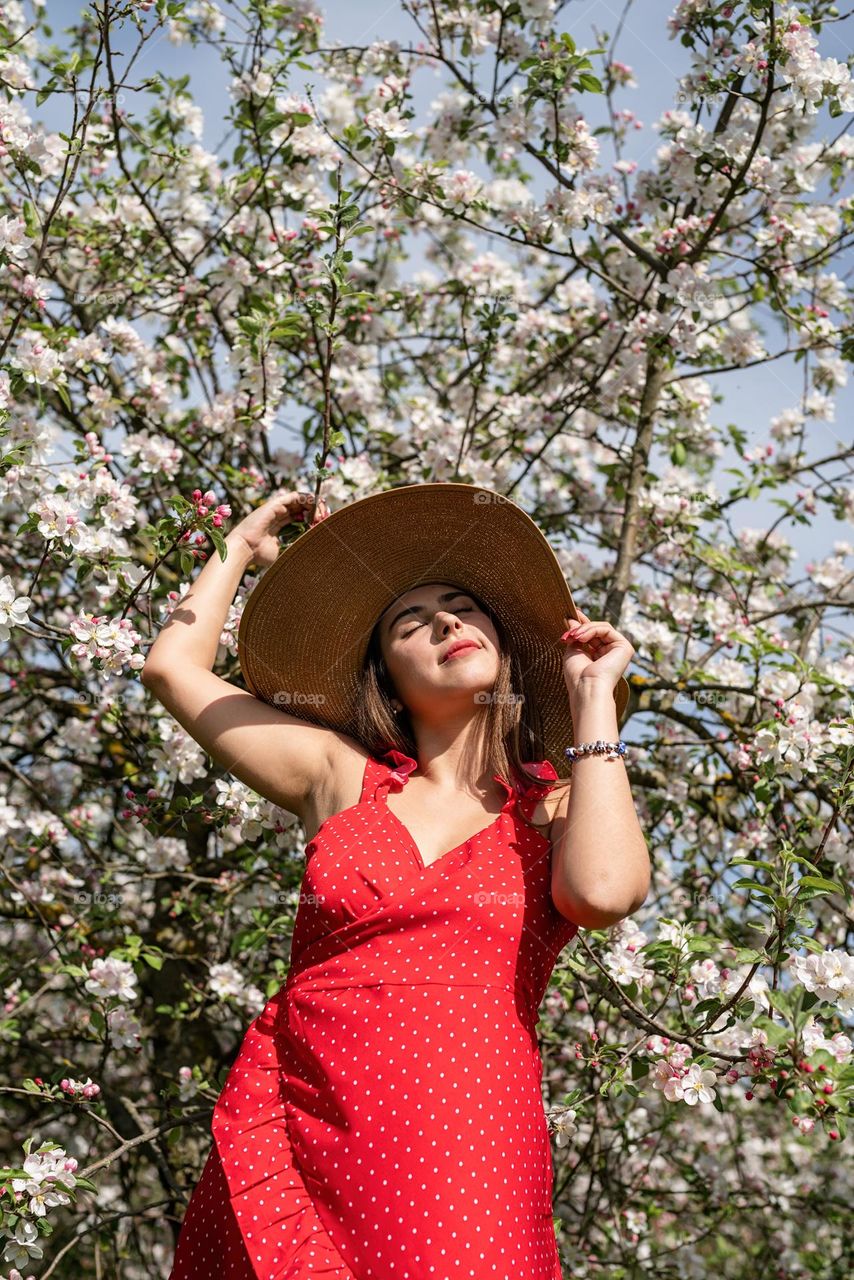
(509, 727)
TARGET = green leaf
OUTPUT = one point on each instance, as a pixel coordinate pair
(747, 955)
(706, 945)
(780, 1000)
(288, 326)
(752, 862)
(819, 883)
(219, 542)
(30, 219)
(85, 1184)
(269, 122)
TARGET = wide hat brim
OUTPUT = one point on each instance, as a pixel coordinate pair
(306, 625)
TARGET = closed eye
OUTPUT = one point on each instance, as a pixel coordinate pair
(463, 609)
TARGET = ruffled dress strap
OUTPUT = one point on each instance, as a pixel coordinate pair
(396, 767)
(393, 769)
(533, 789)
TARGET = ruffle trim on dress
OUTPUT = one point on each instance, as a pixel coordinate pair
(533, 791)
(403, 766)
(530, 792)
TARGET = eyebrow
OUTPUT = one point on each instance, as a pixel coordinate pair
(419, 608)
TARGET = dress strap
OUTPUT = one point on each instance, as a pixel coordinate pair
(533, 789)
(391, 773)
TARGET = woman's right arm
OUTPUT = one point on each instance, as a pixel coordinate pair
(282, 757)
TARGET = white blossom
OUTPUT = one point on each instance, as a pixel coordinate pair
(110, 977)
(13, 608)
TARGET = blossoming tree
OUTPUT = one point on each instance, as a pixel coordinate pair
(487, 289)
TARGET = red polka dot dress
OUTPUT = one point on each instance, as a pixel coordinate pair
(384, 1118)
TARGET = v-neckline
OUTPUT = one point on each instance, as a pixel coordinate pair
(425, 866)
(400, 773)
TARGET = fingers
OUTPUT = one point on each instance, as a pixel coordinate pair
(303, 503)
(587, 632)
(300, 505)
(321, 513)
(589, 628)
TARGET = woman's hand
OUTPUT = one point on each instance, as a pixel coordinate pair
(595, 653)
(260, 528)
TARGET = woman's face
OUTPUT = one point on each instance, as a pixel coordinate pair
(416, 632)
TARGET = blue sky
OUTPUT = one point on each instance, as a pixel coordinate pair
(751, 396)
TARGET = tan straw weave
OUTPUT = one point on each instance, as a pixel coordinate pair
(306, 625)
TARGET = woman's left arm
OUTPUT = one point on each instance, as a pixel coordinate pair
(600, 861)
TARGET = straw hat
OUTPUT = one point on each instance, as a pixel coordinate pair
(306, 625)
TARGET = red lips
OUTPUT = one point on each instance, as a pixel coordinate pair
(458, 644)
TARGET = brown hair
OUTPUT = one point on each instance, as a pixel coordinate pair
(510, 720)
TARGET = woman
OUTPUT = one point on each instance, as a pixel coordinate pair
(384, 1116)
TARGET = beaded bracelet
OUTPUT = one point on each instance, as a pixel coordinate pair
(610, 750)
